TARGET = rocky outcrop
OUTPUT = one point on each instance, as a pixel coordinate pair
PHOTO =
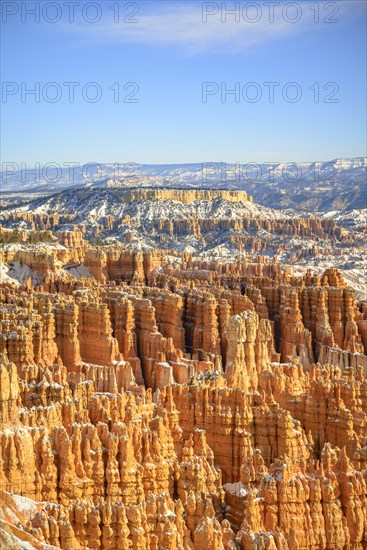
(220, 222)
(250, 345)
(9, 391)
(192, 405)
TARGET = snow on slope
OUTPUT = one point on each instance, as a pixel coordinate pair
(92, 205)
(349, 219)
(15, 511)
(79, 271)
(18, 273)
(141, 225)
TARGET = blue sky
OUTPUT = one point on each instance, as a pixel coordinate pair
(169, 52)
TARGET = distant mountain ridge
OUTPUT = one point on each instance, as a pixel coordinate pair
(339, 184)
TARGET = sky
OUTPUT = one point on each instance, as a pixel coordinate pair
(151, 82)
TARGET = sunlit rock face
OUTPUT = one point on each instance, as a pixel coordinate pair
(157, 402)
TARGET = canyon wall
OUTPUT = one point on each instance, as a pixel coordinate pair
(164, 404)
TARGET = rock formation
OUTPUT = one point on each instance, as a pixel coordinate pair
(180, 403)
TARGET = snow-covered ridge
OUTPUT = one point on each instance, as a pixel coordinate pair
(90, 205)
(197, 174)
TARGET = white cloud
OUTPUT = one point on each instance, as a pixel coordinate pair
(181, 25)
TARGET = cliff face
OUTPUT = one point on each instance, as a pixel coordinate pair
(182, 195)
(182, 404)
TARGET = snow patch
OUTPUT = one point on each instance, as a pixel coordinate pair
(79, 271)
(18, 273)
